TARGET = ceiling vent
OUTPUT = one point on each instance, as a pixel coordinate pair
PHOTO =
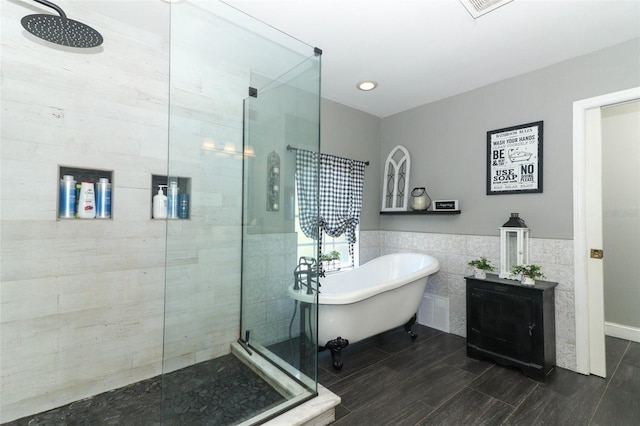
(477, 8)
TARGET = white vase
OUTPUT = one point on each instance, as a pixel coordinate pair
(528, 280)
(480, 274)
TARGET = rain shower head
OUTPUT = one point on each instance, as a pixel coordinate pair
(60, 29)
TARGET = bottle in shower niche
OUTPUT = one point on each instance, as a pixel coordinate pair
(160, 204)
(172, 200)
(87, 201)
(67, 208)
(103, 199)
(183, 205)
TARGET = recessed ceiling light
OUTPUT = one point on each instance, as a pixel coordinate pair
(367, 85)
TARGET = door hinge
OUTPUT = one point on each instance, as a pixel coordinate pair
(597, 254)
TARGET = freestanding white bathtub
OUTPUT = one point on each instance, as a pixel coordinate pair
(378, 296)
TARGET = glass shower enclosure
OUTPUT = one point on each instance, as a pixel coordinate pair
(242, 96)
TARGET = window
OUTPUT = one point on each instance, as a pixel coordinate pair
(339, 201)
(306, 245)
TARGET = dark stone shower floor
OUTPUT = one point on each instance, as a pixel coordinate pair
(223, 391)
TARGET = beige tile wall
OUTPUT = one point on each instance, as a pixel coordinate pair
(83, 301)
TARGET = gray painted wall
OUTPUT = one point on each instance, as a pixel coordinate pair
(621, 207)
(447, 143)
(351, 133)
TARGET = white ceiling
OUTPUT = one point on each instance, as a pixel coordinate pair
(420, 51)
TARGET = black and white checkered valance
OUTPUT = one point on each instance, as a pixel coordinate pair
(339, 183)
(307, 181)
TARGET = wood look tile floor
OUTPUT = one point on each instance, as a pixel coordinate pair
(389, 380)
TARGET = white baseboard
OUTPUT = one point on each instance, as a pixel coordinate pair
(622, 331)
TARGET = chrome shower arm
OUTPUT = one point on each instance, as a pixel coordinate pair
(52, 6)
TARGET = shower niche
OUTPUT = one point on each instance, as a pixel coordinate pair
(177, 190)
(89, 190)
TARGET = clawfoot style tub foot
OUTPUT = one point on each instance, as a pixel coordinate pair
(409, 324)
(336, 346)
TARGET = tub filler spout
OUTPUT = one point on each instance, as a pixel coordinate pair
(305, 275)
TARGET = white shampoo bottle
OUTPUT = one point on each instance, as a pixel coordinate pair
(160, 204)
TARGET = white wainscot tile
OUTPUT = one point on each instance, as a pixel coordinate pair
(422, 242)
(479, 245)
(395, 240)
(566, 357)
(254, 315)
(437, 283)
(551, 251)
(369, 238)
(454, 264)
(458, 314)
(254, 291)
(565, 329)
(449, 243)
(368, 253)
(562, 274)
(410, 241)
(456, 284)
(565, 307)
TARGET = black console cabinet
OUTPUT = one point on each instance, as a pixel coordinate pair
(512, 324)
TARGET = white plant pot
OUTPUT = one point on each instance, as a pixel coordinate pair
(528, 280)
(480, 274)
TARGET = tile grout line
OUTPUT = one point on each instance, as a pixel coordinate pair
(462, 389)
(387, 355)
(385, 358)
(513, 407)
(520, 403)
(606, 388)
(441, 404)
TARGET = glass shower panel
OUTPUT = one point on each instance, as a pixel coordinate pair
(216, 54)
(281, 118)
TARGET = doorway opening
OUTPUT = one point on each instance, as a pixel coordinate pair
(587, 211)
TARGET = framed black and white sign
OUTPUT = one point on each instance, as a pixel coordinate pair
(514, 159)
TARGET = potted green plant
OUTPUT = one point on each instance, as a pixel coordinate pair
(528, 273)
(335, 259)
(325, 259)
(481, 267)
(331, 261)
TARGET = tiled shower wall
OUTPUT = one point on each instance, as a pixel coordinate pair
(268, 267)
(82, 300)
(454, 251)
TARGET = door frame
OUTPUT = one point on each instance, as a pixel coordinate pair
(589, 306)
